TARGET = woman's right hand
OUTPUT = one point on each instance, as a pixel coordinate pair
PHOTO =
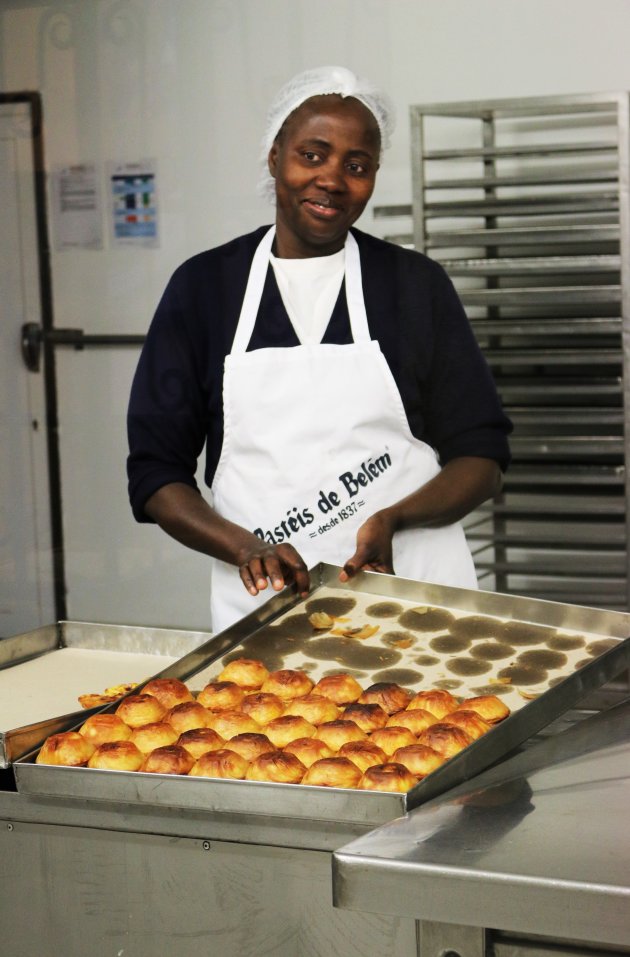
(181, 511)
(280, 565)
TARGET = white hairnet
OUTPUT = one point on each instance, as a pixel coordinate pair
(316, 82)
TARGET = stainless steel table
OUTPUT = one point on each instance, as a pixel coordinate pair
(536, 849)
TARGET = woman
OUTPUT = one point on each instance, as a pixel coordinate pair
(347, 412)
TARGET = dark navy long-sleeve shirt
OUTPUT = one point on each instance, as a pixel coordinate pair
(413, 311)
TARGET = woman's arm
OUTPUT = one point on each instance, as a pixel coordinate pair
(186, 516)
(462, 485)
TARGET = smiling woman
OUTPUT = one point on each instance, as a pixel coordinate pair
(324, 161)
(303, 351)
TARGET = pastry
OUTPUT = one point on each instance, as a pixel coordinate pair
(288, 684)
(139, 709)
(229, 723)
(221, 696)
(314, 707)
(117, 756)
(308, 750)
(200, 740)
(447, 739)
(342, 689)
(469, 721)
(419, 759)
(251, 745)
(188, 716)
(392, 738)
(416, 719)
(390, 696)
(287, 728)
(336, 733)
(369, 717)
(168, 691)
(335, 772)
(262, 707)
(247, 673)
(151, 736)
(487, 706)
(363, 753)
(436, 700)
(68, 748)
(172, 759)
(387, 777)
(220, 764)
(100, 728)
(280, 767)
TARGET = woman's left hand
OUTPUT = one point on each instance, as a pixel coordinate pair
(374, 548)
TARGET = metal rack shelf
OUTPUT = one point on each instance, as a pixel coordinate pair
(526, 203)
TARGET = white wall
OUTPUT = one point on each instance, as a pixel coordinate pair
(187, 82)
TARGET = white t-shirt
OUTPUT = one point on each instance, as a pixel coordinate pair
(309, 290)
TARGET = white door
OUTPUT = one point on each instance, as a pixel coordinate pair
(26, 569)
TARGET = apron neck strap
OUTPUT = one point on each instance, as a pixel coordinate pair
(256, 283)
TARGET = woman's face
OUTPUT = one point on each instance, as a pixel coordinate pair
(324, 162)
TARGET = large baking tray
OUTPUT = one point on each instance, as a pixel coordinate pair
(278, 633)
(42, 673)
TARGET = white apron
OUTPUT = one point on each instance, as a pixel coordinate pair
(316, 440)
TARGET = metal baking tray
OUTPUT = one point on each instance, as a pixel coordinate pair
(595, 650)
(42, 673)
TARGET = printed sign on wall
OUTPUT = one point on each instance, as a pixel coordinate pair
(133, 202)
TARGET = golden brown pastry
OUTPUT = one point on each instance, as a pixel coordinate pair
(262, 707)
(278, 766)
(107, 696)
(220, 764)
(221, 696)
(251, 745)
(229, 723)
(168, 691)
(390, 696)
(68, 748)
(363, 753)
(308, 750)
(172, 759)
(100, 728)
(487, 706)
(416, 719)
(335, 772)
(447, 739)
(288, 684)
(342, 689)
(392, 738)
(287, 728)
(314, 707)
(369, 717)
(248, 673)
(336, 733)
(139, 709)
(419, 759)
(198, 741)
(469, 721)
(388, 777)
(151, 736)
(436, 700)
(117, 756)
(188, 716)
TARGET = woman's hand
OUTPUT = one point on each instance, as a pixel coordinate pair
(181, 511)
(461, 486)
(281, 565)
(374, 547)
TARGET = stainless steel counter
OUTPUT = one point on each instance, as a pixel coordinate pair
(538, 845)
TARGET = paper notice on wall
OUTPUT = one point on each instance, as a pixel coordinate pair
(77, 217)
(133, 204)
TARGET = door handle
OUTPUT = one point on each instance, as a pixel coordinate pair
(33, 336)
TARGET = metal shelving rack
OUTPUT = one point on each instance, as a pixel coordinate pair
(526, 203)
